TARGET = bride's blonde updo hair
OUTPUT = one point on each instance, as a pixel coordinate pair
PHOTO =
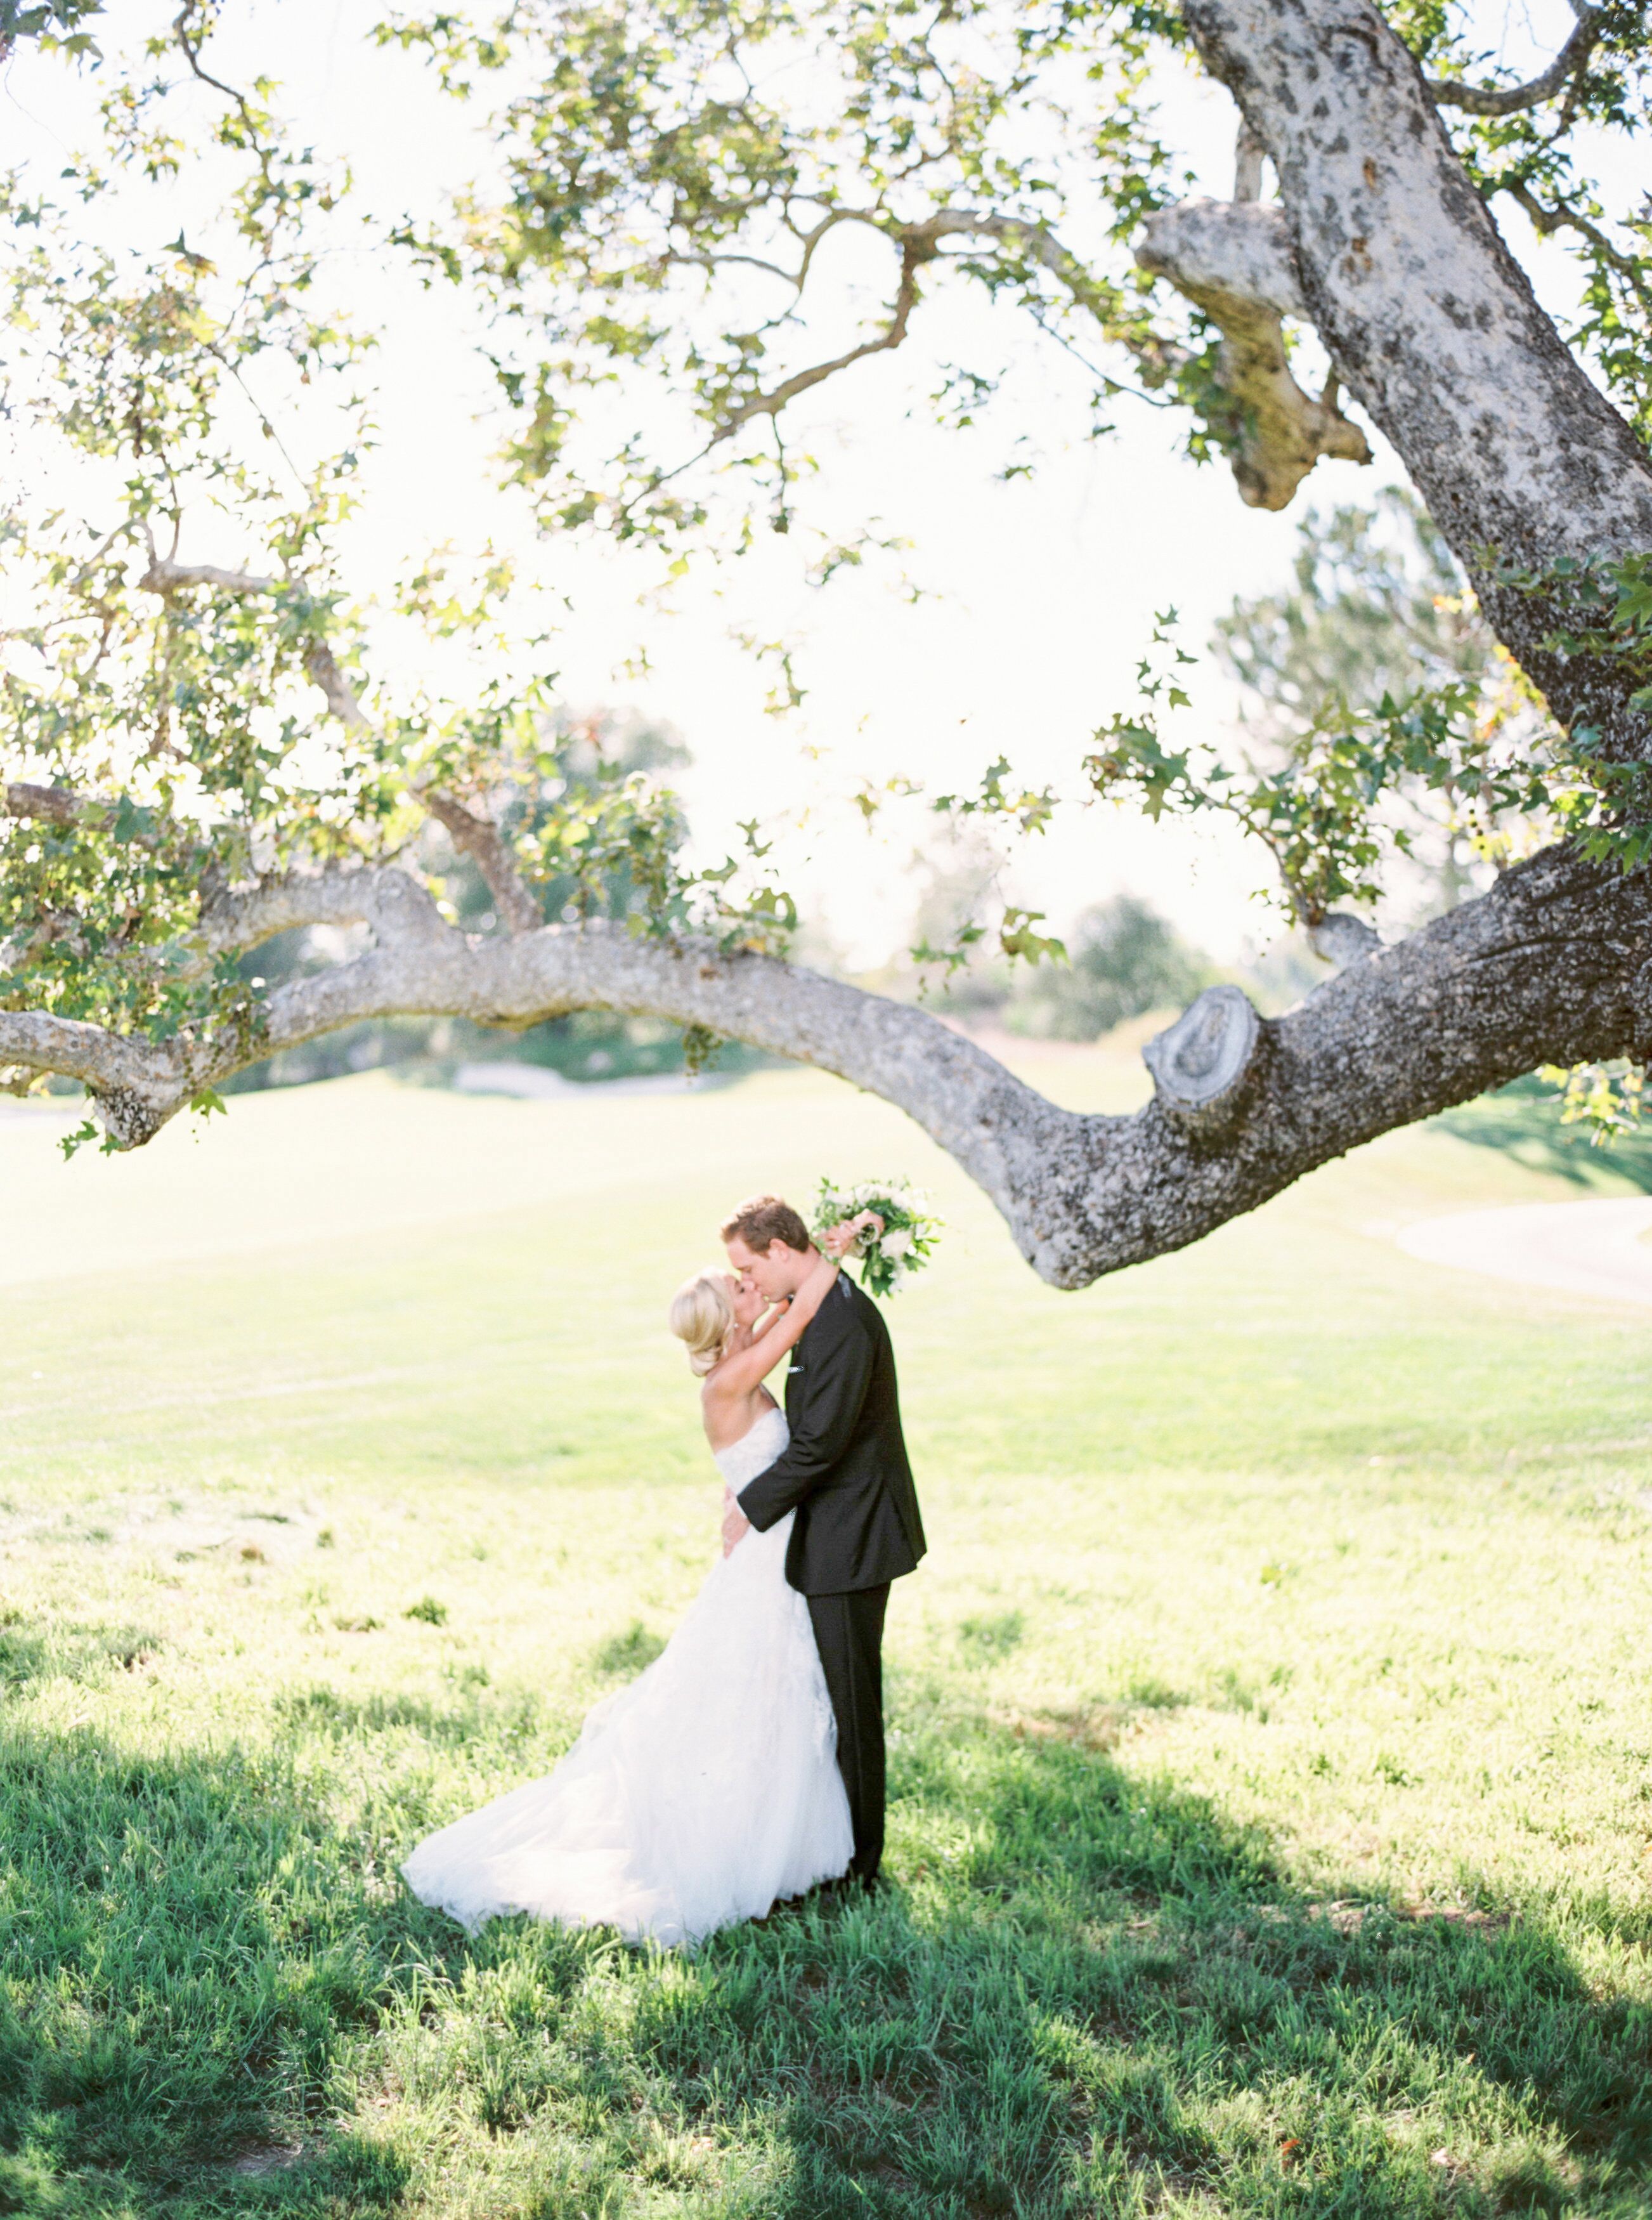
(702, 1315)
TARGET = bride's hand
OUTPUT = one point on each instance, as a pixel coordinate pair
(842, 1240)
(736, 1524)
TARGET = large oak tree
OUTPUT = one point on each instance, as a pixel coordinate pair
(199, 758)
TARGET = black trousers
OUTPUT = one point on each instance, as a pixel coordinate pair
(849, 1635)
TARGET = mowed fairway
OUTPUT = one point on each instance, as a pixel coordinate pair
(1272, 1752)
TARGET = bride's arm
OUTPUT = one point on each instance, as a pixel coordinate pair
(742, 1369)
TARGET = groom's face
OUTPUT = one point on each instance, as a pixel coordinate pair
(774, 1272)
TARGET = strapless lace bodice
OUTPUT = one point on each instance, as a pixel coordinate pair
(755, 1451)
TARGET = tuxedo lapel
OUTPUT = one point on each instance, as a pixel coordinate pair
(797, 1371)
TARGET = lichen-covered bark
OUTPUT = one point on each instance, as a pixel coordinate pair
(1433, 325)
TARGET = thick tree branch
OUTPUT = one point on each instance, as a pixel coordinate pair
(1554, 964)
(236, 918)
(1240, 249)
(1435, 328)
(137, 1084)
(1506, 99)
(1233, 259)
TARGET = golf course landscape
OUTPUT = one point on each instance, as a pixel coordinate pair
(1271, 1720)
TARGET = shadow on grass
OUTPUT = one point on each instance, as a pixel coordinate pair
(1523, 1121)
(1088, 1994)
(188, 1963)
(1096, 1997)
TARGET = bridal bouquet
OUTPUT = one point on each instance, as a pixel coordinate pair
(887, 1225)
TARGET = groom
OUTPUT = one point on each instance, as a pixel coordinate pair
(845, 1472)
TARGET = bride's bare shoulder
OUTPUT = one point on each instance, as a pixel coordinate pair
(719, 1410)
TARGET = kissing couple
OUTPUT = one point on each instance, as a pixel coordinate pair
(746, 1766)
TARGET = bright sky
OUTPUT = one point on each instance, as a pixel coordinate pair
(1039, 594)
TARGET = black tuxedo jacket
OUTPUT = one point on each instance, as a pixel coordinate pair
(845, 1471)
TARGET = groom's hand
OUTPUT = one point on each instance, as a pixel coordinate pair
(736, 1524)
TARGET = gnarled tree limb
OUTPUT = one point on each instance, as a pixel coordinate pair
(1554, 964)
(236, 918)
(1233, 259)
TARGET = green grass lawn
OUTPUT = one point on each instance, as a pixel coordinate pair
(1272, 1748)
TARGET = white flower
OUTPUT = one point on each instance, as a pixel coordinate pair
(897, 1244)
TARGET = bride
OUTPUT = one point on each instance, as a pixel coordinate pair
(707, 1788)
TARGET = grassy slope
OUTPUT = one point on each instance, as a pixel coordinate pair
(1271, 1717)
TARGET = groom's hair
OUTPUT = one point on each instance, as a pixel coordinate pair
(763, 1219)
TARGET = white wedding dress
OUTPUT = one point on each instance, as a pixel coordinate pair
(698, 1795)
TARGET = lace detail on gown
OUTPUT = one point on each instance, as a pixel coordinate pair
(696, 1796)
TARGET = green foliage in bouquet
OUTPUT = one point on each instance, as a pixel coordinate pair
(887, 1226)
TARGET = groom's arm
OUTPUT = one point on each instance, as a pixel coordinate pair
(836, 1383)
